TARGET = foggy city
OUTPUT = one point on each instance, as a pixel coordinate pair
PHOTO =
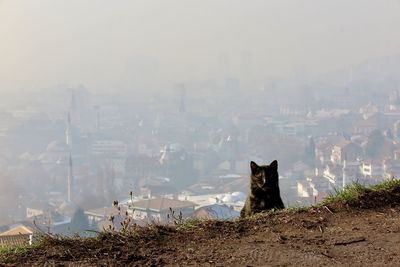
(148, 109)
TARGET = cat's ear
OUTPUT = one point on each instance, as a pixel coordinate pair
(254, 167)
(274, 165)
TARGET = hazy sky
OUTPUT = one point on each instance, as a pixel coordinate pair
(128, 43)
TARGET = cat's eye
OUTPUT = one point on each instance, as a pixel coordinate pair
(261, 178)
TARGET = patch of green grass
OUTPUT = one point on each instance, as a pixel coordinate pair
(348, 194)
(9, 253)
(190, 223)
(293, 209)
(352, 192)
(386, 185)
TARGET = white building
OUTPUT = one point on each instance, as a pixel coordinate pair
(370, 169)
(161, 210)
(113, 148)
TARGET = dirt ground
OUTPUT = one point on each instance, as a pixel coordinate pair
(316, 237)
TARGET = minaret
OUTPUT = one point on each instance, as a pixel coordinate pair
(344, 173)
(70, 178)
(68, 132)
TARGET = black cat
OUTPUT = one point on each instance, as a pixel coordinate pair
(264, 189)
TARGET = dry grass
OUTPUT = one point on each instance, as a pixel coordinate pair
(126, 245)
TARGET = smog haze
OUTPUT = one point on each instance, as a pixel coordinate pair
(110, 106)
(132, 45)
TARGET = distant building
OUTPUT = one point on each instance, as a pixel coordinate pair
(312, 189)
(366, 125)
(111, 148)
(56, 152)
(346, 150)
(292, 129)
(38, 208)
(233, 200)
(350, 172)
(17, 235)
(107, 216)
(161, 210)
(215, 212)
(334, 175)
(53, 221)
(368, 110)
(394, 102)
(19, 229)
(373, 169)
(324, 147)
(114, 152)
(392, 169)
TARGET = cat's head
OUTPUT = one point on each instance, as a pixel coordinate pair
(265, 176)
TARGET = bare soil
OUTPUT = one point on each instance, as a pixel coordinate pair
(337, 235)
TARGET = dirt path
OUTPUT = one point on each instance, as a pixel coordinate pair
(347, 238)
(309, 238)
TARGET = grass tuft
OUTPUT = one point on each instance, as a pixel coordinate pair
(347, 195)
(386, 185)
(351, 194)
(8, 254)
(190, 223)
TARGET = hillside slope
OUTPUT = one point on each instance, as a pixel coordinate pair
(363, 229)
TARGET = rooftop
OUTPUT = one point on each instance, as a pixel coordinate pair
(160, 204)
(14, 240)
(18, 230)
(106, 211)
